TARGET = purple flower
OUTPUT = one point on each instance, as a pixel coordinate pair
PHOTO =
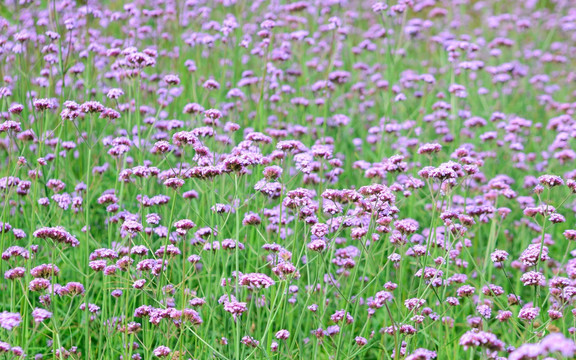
(40, 315)
(529, 313)
(44, 104)
(282, 335)
(235, 308)
(162, 351)
(132, 226)
(58, 234)
(256, 281)
(481, 339)
(9, 320)
(533, 278)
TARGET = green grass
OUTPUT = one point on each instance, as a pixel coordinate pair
(373, 115)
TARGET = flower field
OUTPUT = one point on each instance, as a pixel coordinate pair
(323, 179)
